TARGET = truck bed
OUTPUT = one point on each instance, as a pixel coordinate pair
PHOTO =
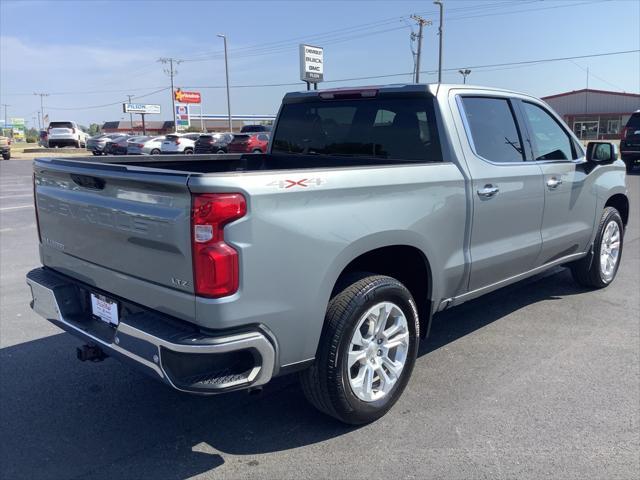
(234, 163)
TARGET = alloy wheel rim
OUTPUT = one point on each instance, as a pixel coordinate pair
(378, 351)
(609, 250)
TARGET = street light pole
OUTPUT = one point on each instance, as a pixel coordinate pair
(464, 74)
(226, 71)
(439, 3)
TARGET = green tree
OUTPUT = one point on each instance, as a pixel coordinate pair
(94, 129)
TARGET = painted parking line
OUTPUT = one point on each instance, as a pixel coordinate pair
(15, 208)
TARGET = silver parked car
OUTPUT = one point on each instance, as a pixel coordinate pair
(146, 145)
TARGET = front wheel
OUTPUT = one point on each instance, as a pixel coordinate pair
(367, 350)
(188, 151)
(155, 151)
(599, 270)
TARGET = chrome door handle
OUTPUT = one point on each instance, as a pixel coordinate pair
(488, 191)
(553, 182)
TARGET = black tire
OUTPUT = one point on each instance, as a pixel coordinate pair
(256, 150)
(588, 271)
(220, 151)
(95, 153)
(188, 151)
(155, 151)
(326, 382)
(6, 156)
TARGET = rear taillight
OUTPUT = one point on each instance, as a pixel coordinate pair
(216, 270)
(177, 141)
(624, 133)
(139, 145)
(35, 207)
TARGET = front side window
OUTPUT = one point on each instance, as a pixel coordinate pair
(549, 140)
(385, 128)
(493, 129)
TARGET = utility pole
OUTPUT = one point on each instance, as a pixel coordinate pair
(421, 23)
(5, 114)
(42, 95)
(130, 114)
(226, 71)
(464, 74)
(439, 3)
(172, 72)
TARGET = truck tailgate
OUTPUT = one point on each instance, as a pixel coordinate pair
(131, 222)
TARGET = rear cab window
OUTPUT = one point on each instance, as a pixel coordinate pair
(492, 129)
(396, 129)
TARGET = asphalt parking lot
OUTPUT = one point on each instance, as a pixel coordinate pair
(540, 380)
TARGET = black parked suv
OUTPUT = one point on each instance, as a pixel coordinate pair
(256, 129)
(630, 141)
(213, 143)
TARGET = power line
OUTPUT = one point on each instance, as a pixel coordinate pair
(428, 72)
(109, 104)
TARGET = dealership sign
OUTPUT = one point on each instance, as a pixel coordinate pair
(187, 97)
(311, 63)
(182, 117)
(140, 108)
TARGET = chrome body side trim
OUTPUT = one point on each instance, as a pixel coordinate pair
(507, 281)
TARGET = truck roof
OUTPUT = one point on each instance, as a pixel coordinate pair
(409, 89)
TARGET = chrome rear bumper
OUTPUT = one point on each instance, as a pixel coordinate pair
(180, 356)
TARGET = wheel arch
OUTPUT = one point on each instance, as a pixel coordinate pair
(404, 262)
(620, 202)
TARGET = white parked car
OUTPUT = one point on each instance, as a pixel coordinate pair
(66, 134)
(145, 145)
(179, 143)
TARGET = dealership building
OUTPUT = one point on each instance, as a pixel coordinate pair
(595, 114)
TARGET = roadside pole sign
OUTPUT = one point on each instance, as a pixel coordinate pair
(182, 96)
(311, 63)
(18, 128)
(182, 117)
(146, 108)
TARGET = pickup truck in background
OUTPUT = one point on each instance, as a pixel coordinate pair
(5, 147)
(372, 210)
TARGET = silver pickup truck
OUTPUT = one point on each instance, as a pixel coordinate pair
(373, 210)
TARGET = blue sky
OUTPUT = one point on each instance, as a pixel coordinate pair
(92, 53)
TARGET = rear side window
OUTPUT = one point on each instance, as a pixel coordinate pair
(387, 128)
(263, 138)
(493, 129)
(549, 139)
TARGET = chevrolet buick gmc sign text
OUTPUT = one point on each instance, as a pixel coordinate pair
(311, 63)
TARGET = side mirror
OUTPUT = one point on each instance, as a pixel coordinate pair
(602, 152)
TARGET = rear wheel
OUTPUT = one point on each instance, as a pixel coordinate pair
(220, 151)
(599, 270)
(188, 151)
(367, 350)
(256, 150)
(6, 156)
(155, 151)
